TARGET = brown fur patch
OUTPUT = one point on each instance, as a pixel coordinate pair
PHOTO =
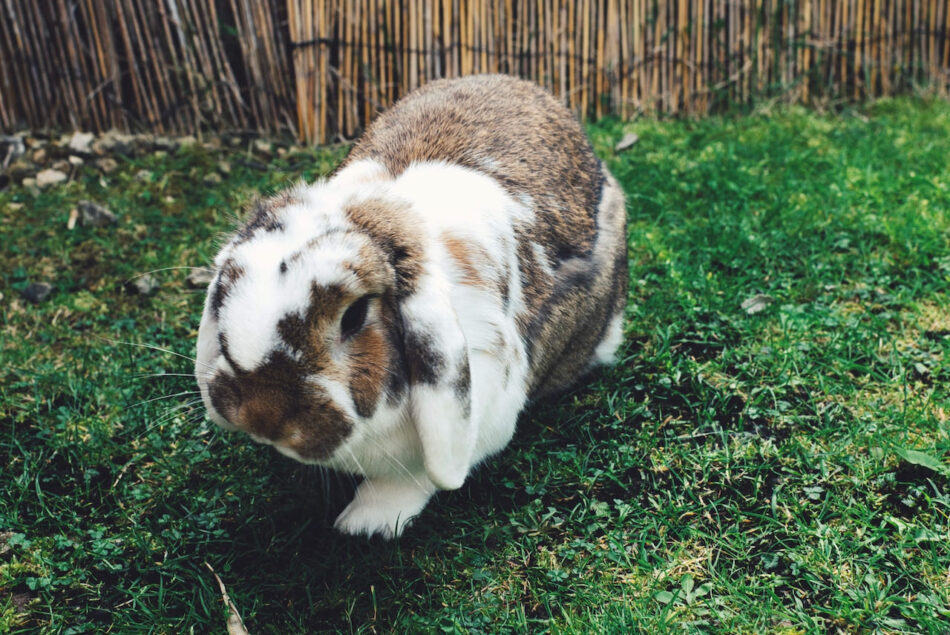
(373, 269)
(392, 228)
(370, 357)
(265, 215)
(227, 278)
(305, 333)
(536, 287)
(462, 386)
(424, 363)
(396, 374)
(473, 261)
(273, 402)
(325, 301)
(294, 331)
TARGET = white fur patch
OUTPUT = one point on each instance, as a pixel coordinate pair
(466, 202)
(607, 348)
(611, 205)
(339, 394)
(385, 507)
(541, 257)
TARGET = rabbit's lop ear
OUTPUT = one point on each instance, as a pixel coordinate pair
(440, 394)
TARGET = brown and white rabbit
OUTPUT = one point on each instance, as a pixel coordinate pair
(392, 322)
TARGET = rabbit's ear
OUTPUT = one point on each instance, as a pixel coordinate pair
(440, 393)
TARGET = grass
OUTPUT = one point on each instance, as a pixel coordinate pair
(783, 471)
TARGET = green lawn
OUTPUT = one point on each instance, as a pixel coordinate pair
(786, 470)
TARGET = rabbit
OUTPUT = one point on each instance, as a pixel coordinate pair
(467, 257)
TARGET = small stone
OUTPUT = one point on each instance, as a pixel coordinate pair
(95, 215)
(4, 540)
(21, 601)
(29, 183)
(11, 147)
(48, 177)
(20, 169)
(160, 155)
(14, 207)
(186, 141)
(75, 161)
(81, 142)
(224, 168)
(62, 165)
(629, 140)
(200, 277)
(143, 175)
(36, 292)
(164, 143)
(73, 217)
(143, 285)
(210, 180)
(263, 146)
(40, 155)
(107, 165)
(116, 142)
(124, 144)
(757, 303)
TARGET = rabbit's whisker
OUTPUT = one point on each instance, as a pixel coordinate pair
(394, 461)
(368, 482)
(145, 273)
(177, 394)
(158, 348)
(176, 411)
(163, 375)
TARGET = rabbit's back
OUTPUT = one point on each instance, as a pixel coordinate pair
(510, 130)
(571, 254)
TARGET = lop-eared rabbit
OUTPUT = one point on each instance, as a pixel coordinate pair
(469, 256)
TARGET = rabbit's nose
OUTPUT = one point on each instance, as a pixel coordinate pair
(225, 394)
(262, 414)
(255, 407)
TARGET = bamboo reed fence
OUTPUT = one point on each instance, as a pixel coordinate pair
(320, 69)
(175, 66)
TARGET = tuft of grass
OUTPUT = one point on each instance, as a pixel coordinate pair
(781, 470)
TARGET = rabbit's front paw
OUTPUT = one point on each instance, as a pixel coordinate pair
(384, 507)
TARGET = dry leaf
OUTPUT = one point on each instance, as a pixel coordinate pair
(235, 623)
(758, 302)
(628, 141)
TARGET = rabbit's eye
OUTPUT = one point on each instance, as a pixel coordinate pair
(354, 318)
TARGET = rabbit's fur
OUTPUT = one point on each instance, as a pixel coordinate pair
(393, 321)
